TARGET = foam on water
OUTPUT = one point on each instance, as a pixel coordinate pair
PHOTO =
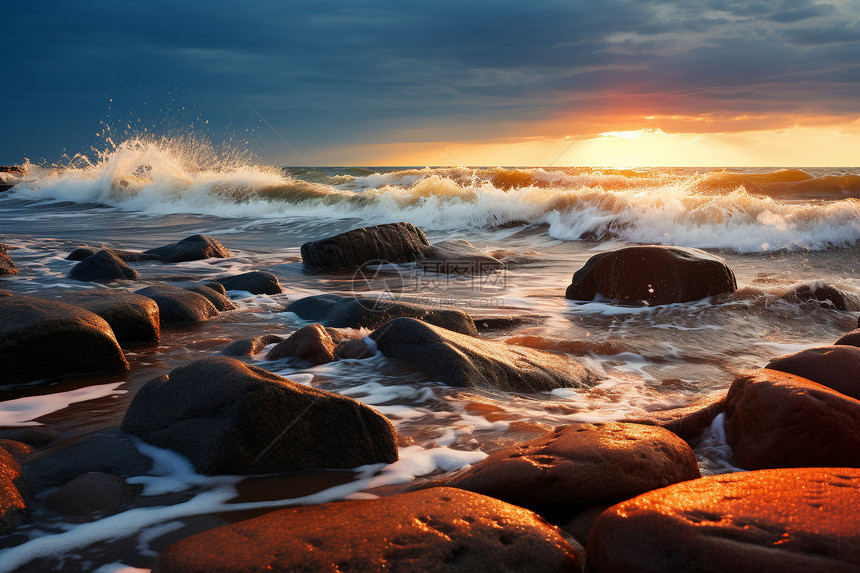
(22, 411)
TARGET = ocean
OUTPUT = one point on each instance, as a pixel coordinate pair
(776, 228)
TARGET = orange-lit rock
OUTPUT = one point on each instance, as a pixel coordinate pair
(850, 339)
(774, 419)
(13, 507)
(688, 422)
(438, 529)
(7, 267)
(575, 466)
(837, 367)
(311, 343)
(786, 520)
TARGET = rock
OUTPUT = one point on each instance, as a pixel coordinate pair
(572, 467)
(312, 343)
(461, 360)
(349, 312)
(774, 419)
(193, 248)
(43, 339)
(850, 339)
(458, 257)
(581, 525)
(218, 300)
(95, 492)
(4, 249)
(32, 435)
(487, 323)
(255, 282)
(689, 422)
(828, 296)
(133, 318)
(13, 507)
(18, 450)
(837, 367)
(392, 243)
(178, 305)
(7, 267)
(787, 520)
(230, 418)
(109, 451)
(104, 266)
(83, 253)
(354, 349)
(652, 275)
(217, 287)
(249, 346)
(434, 530)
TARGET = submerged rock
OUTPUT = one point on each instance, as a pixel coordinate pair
(43, 339)
(458, 257)
(688, 422)
(652, 275)
(94, 492)
(218, 300)
(255, 282)
(350, 312)
(104, 266)
(7, 267)
(774, 419)
(828, 296)
(787, 520)
(354, 349)
(133, 318)
(249, 346)
(837, 367)
(179, 305)
(14, 508)
(439, 529)
(461, 360)
(193, 248)
(391, 243)
(312, 343)
(576, 466)
(229, 418)
(82, 253)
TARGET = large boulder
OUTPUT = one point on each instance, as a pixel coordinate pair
(458, 257)
(837, 367)
(391, 243)
(787, 520)
(193, 248)
(82, 253)
(7, 267)
(14, 508)
(133, 318)
(178, 305)
(42, 339)
(434, 530)
(229, 418)
(774, 419)
(104, 266)
(312, 343)
(652, 275)
(572, 467)
(254, 282)
(461, 360)
(351, 312)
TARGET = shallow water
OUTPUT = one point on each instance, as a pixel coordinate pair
(774, 228)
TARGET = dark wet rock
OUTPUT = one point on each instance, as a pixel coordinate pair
(353, 349)
(83, 253)
(688, 422)
(133, 318)
(850, 339)
(43, 339)
(488, 322)
(392, 243)
(435, 530)
(109, 451)
(193, 248)
(458, 257)
(178, 305)
(652, 275)
(7, 267)
(4, 249)
(229, 418)
(787, 520)
(14, 508)
(827, 295)
(461, 360)
(350, 312)
(33, 435)
(581, 525)
(249, 346)
(837, 367)
(18, 450)
(104, 266)
(312, 343)
(94, 492)
(572, 467)
(218, 300)
(255, 282)
(774, 419)
(217, 287)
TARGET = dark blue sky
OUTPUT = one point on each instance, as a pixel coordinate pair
(326, 75)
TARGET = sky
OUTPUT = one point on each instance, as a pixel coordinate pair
(612, 83)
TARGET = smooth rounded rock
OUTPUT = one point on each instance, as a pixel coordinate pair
(434, 530)
(688, 422)
(392, 243)
(850, 339)
(312, 343)
(354, 349)
(104, 266)
(14, 508)
(218, 300)
(837, 367)
(133, 318)
(652, 275)
(254, 282)
(94, 492)
(178, 305)
(193, 248)
(7, 267)
(786, 520)
(82, 253)
(250, 346)
(458, 257)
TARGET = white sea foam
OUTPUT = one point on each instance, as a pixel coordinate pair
(22, 411)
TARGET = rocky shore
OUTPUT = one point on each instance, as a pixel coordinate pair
(609, 496)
